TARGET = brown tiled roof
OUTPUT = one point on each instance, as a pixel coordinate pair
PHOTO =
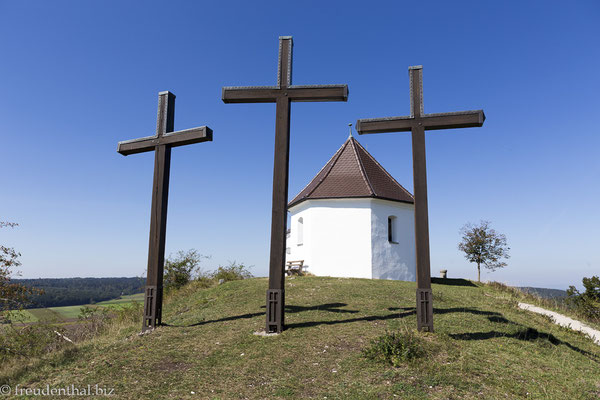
(353, 172)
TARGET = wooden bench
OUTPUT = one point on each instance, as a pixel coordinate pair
(294, 267)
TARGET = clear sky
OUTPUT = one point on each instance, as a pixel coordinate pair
(78, 77)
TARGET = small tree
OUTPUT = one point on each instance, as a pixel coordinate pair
(13, 296)
(181, 268)
(588, 302)
(484, 246)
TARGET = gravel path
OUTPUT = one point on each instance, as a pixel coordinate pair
(564, 321)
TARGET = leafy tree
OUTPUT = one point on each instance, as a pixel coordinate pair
(13, 296)
(484, 246)
(588, 302)
(181, 268)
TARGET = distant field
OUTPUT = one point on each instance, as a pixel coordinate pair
(64, 314)
(123, 300)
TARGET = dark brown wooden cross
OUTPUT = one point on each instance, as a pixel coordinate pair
(161, 143)
(417, 122)
(282, 94)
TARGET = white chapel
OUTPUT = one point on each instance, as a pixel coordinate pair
(353, 220)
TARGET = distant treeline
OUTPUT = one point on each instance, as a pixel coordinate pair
(545, 292)
(77, 291)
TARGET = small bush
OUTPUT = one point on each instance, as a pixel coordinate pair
(93, 321)
(181, 268)
(396, 348)
(204, 281)
(587, 304)
(232, 272)
(130, 313)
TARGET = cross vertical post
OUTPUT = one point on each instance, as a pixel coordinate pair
(417, 123)
(282, 94)
(276, 293)
(158, 213)
(161, 144)
(424, 295)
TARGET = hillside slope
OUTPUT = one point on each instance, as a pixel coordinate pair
(483, 347)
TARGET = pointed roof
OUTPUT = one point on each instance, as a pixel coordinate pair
(352, 172)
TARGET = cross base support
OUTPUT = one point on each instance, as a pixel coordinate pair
(425, 310)
(152, 307)
(275, 307)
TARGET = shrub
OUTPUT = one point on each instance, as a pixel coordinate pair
(232, 272)
(587, 303)
(205, 281)
(130, 313)
(93, 321)
(181, 268)
(396, 348)
(13, 296)
(31, 340)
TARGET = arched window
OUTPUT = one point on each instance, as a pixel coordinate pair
(300, 231)
(392, 229)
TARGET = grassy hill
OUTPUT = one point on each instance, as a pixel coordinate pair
(483, 347)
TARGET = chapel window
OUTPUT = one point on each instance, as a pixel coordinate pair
(392, 229)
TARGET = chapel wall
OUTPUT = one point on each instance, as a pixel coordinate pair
(337, 237)
(393, 260)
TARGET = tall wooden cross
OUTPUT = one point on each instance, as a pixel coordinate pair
(282, 94)
(161, 143)
(417, 122)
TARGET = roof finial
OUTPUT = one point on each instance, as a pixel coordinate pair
(350, 129)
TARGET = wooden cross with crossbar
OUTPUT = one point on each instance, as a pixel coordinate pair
(417, 122)
(282, 94)
(161, 144)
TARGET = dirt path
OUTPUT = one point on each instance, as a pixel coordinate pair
(564, 321)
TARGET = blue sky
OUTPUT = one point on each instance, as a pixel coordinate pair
(78, 77)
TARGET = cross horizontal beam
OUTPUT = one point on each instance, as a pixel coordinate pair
(270, 94)
(460, 119)
(171, 139)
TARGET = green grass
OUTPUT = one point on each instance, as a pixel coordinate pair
(139, 297)
(483, 347)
